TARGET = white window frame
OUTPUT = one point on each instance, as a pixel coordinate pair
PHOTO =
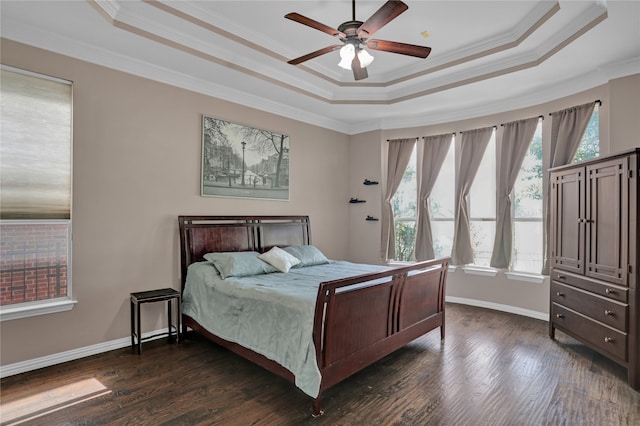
(407, 219)
(516, 274)
(58, 304)
(451, 219)
(481, 269)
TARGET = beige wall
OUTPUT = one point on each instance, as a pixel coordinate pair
(364, 163)
(136, 167)
(136, 163)
(625, 112)
(517, 296)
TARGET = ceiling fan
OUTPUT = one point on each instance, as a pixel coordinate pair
(356, 34)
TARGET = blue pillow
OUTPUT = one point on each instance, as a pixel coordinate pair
(308, 255)
(239, 264)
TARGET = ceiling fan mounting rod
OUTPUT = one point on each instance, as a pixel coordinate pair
(353, 9)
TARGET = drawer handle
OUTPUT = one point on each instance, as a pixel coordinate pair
(560, 294)
(609, 291)
(607, 312)
(559, 316)
(562, 277)
(609, 340)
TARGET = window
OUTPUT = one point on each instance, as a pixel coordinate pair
(405, 204)
(482, 206)
(590, 144)
(527, 248)
(442, 206)
(35, 194)
(527, 206)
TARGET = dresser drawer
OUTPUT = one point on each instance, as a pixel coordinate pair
(621, 294)
(597, 307)
(598, 336)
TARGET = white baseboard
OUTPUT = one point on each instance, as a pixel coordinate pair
(498, 307)
(49, 360)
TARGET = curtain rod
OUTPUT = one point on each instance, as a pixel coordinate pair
(494, 128)
(430, 136)
(597, 102)
(389, 140)
(540, 117)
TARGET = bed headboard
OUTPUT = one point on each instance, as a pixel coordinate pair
(200, 235)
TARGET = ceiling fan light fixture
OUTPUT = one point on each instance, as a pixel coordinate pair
(365, 58)
(347, 52)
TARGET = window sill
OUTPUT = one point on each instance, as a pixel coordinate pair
(24, 310)
(479, 270)
(523, 276)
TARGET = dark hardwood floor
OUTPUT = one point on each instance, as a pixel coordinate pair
(492, 368)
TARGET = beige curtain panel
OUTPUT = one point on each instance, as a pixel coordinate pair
(516, 138)
(567, 129)
(400, 151)
(473, 143)
(434, 151)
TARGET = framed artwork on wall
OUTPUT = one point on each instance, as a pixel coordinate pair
(243, 161)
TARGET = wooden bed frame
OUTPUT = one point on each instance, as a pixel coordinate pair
(357, 321)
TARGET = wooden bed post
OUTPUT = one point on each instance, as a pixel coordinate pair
(316, 408)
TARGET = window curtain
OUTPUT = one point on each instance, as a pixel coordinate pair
(567, 129)
(399, 154)
(473, 143)
(434, 151)
(516, 138)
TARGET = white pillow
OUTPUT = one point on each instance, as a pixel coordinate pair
(279, 259)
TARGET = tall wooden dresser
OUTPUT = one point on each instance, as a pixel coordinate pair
(595, 294)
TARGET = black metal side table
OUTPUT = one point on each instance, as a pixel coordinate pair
(149, 296)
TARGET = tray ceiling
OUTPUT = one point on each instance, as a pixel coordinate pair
(487, 56)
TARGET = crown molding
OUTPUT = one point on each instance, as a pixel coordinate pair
(565, 88)
(364, 94)
(508, 39)
(501, 42)
(75, 48)
(79, 49)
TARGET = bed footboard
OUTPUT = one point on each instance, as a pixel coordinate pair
(360, 320)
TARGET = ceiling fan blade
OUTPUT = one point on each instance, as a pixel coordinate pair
(401, 48)
(314, 54)
(315, 24)
(359, 72)
(382, 17)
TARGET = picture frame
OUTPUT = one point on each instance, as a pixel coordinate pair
(243, 161)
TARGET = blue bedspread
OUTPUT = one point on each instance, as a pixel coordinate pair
(271, 314)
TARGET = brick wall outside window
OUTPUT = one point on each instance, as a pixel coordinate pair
(33, 261)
